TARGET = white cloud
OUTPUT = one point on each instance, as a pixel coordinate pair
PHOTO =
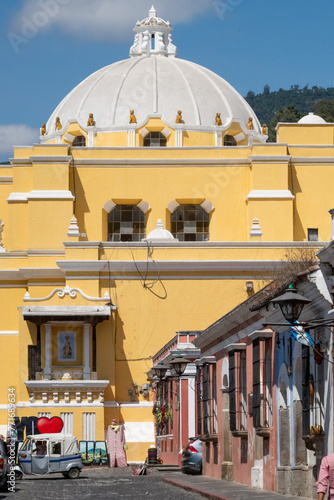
(99, 19)
(16, 135)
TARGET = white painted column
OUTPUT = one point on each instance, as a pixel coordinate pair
(86, 353)
(91, 138)
(191, 407)
(219, 138)
(178, 138)
(131, 138)
(47, 368)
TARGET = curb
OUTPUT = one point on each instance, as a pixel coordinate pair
(186, 487)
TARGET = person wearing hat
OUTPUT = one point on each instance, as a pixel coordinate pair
(116, 445)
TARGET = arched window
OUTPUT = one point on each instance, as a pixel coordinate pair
(229, 140)
(79, 141)
(126, 223)
(155, 140)
(190, 223)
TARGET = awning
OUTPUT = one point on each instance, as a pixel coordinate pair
(85, 314)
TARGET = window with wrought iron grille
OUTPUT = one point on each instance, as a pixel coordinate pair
(206, 399)
(190, 223)
(262, 383)
(79, 141)
(126, 223)
(155, 140)
(238, 389)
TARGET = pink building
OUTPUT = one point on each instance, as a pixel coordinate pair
(175, 398)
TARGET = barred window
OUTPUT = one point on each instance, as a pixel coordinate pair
(229, 140)
(190, 223)
(79, 141)
(155, 140)
(126, 223)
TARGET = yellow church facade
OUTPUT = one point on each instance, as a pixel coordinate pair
(152, 204)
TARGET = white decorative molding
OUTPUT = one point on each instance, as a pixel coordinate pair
(259, 194)
(219, 138)
(144, 131)
(41, 195)
(73, 230)
(109, 205)
(239, 137)
(207, 206)
(165, 132)
(69, 137)
(131, 138)
(178, 138)
(144, 206)
(172, 205)
(6, 179)
(159, 234)
(72, 292)
(9, 332)
(255, 229)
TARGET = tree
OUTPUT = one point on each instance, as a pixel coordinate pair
(250, 95)
(325, 109)
(266, 90)
(290, 114)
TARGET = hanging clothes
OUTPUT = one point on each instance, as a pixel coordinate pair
(116, 445)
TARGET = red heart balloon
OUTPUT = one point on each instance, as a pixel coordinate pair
(49, 425)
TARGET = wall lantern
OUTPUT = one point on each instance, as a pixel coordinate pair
(159, 370)
(291, 304)
(179, 364)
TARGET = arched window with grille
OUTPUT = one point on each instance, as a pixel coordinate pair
(79, 141)
(190, 223)
(126, 223)
(155, 140)
(229, 140)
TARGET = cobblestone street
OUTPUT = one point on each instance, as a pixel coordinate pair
(99, 483)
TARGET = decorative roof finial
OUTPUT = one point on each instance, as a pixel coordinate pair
(152, 12)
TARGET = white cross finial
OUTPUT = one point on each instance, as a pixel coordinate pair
(152, 12)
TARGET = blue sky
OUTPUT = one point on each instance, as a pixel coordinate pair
(48, 46)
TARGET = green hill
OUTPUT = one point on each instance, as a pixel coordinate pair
(290, 105)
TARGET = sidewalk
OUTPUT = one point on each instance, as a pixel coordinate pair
(218, 489)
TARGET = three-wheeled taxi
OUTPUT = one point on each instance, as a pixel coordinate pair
(51, 453)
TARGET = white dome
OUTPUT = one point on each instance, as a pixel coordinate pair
(160, 234)
(153, 82)
(154, 85)
(311, 118)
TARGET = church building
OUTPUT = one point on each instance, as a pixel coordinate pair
(152, 204)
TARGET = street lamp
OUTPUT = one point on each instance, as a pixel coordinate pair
(159, 370)
(179, 364)
(291, 304)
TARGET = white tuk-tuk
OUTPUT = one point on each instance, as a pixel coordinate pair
(49, 453)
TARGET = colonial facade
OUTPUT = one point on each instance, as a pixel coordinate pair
(152, 204)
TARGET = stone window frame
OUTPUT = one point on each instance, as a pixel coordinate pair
(206, 394)
(238, 406)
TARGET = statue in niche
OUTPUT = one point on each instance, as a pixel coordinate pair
(218, 120)
(67, 349)
(91, 121)
(1, 231)
(133, 118)
(43, 129)
(264, 129)
(58, 125)
(179, 117)
(250, 124)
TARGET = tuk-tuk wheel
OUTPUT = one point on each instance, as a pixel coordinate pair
(18, 475)
(74, 473)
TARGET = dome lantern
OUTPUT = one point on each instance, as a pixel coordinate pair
(153, 37)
